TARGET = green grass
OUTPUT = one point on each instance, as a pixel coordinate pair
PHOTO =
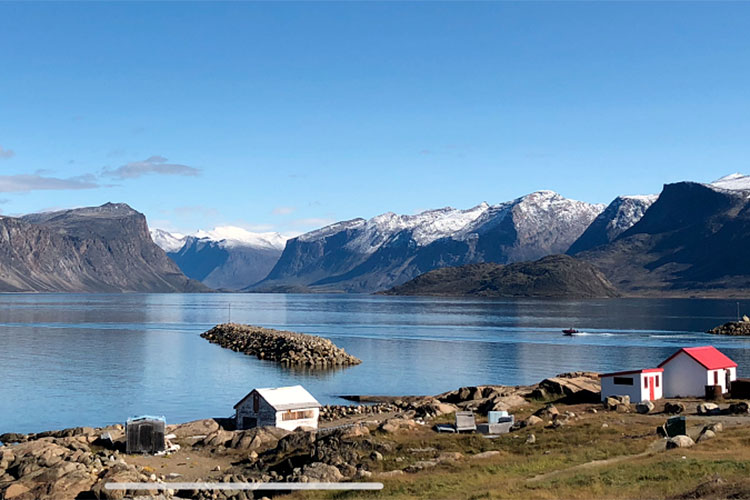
(658, 475)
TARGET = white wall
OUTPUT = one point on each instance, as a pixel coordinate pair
(684, 377)
(637, 392)
(722, 377)
(610, 389)
(646, 392)
(290, 425)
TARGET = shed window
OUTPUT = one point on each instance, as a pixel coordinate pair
(657, 380)
(716, 377)
(256, 402)
(297, 415)
(623, 381)
(645, 382)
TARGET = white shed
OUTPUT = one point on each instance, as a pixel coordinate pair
(688, 371)
(640, 385)
(283, 407)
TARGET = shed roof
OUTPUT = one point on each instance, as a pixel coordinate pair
(294, 397)
(644, 370)
(708, 356)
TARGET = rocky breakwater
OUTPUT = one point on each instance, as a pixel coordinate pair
(287, 348)
(733, 328)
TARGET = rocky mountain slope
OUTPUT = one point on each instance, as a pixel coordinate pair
(692, 240)
(619, 216)
(227, 257)
(555, 276)
(370, 255)
(95, 249)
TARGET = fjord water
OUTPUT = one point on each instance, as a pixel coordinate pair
(71, 360)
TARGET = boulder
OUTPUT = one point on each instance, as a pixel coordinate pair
(397, 424)
(217, 438)
(118, 473)
(708, 409)
(257, 439)
(195, 428)
(739, 408)
(318, 472)
(579, 387)
(355, 431)
(645, 407)
(15, 490)
(705, 435)
(715, 427)
(449, 456)
(530, 439)
(420, 465)
(549, 412)
(486, 454)
(674, 408)
(531, 421)
(680, 441)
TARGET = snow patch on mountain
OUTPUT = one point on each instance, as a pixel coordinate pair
(236, 236)
(169, 242)
(226, 236)
(628, 211)
(733, 182)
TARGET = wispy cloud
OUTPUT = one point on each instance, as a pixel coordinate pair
(23, 183)
(283, 210)
(6, 154)
(152, 165)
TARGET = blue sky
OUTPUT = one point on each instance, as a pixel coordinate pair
(287, 116)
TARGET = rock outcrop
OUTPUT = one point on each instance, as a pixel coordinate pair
(95, 249)
(287, 348)
(733, 328)
(555, 276)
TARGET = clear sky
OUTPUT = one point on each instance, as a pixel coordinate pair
(286, 116)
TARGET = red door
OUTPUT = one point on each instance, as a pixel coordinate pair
(651, 388)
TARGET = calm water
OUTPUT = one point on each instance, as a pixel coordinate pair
(68, 360)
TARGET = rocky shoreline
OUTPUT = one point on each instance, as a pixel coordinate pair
(733, 328)
(393, 437)
(286, 348)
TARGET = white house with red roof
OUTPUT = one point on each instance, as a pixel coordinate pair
(688, 371)
(640, 385)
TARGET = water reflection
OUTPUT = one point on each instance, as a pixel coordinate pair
(68, 360)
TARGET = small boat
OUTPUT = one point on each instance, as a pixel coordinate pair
(570, 332)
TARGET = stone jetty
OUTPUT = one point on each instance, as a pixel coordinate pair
(733, 328)
(287, 348)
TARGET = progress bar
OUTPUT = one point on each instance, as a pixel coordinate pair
(243, 486)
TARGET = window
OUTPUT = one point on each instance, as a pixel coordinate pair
(657, 381)
(623, 381)
(256, 402)
(297, 415)
(716, 377)
(645, 382)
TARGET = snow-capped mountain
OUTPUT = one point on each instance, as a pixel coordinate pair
(693, 238)
(225, 257)
(169, 242)
(369, 255)
(618, 217)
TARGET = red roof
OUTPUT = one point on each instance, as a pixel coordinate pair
(645, 370)
(710, 357)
